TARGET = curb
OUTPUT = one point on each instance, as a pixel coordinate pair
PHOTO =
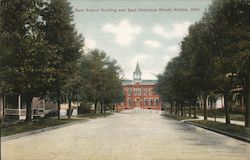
(247, 140)
(19, 135)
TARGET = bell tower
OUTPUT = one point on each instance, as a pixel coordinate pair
(137, 73)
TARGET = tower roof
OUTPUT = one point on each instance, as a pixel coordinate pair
(137, 69)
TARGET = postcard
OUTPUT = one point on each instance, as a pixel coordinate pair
(124, 79)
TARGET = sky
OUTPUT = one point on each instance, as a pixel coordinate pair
(147, 31)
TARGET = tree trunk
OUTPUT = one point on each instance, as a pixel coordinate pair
(247, 101)
(58, 108)
(95, 107)
(28, 100)
(195, 108)
(205, 106)
(69, 109)
(182, 110)
(226, 107)
(176, 109)
(171, 107)
(101, 108)
(2, 118)
(4, 105)
(189, 110)
(104, 109)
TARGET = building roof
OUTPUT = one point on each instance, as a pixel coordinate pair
(142, 82)
(137, 69)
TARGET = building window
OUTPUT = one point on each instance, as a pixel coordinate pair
(138, 91)
(145, 91)
(150, 91)
(156, 101)
(130, 102)
(129, 91)
(145, 102)
(135, 91)
(151, 102)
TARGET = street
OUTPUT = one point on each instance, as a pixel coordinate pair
(130, 135)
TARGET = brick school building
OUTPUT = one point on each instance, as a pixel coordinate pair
(139, 93)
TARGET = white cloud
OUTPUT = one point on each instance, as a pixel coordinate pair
(153, 44)
(177, 30)
(90, 43)
(124, 32)
(173, 50)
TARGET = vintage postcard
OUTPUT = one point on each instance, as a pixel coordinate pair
(125, 79)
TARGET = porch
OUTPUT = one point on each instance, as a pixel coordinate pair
(15, 107)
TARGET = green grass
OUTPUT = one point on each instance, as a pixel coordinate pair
(179, 118)
(234, 115)
(33, 125)
(44, 123)
(233, 129)
(237, 117)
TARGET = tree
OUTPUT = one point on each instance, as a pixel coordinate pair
(112, 91)
(26, 58)
(190, 86)
(100, 77)
(61, 34)
(228, 21)
(213, 55)
(202, 68)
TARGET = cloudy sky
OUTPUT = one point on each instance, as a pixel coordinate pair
(143, 30)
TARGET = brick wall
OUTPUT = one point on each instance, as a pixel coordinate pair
(139, 95)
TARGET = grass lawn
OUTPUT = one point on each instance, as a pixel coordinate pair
(233, 129)
(236, 117)
(220, 114)
(44, 123)
(175, 117)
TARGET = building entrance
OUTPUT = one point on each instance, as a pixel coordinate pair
(137, 103)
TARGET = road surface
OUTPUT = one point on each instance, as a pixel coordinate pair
(131, 135)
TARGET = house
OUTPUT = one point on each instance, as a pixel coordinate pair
(14, 107)
(238, 98)
(213, 102)
(217, 101)
(139, 93)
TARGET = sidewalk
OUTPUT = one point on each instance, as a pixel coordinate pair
(241, 123)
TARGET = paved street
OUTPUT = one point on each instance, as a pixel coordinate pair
(131, 135)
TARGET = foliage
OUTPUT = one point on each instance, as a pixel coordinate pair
(42, 55)
(26, 58)
(214, 58)
(61, 34)
(100, 76)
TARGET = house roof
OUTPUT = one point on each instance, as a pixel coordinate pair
(142, 82)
